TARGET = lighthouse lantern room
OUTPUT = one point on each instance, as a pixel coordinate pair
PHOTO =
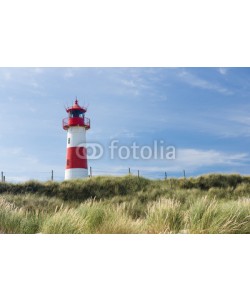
(76, 125)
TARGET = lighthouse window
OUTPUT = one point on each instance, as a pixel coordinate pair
(76, 114)
(68, 140)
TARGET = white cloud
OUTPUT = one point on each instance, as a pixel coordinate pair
(223, 71)
(190, 160)
(195, 81)
(68, 74)
(19, 165)
(128, 83)
(17, 179)
(7, 75)
(34, 84)
(123, 134)
(196, 158)
(237, 123)
(6, 151)
(38, 70)
(130, 80)
(242, 118)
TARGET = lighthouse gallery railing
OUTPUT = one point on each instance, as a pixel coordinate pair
(85, 122)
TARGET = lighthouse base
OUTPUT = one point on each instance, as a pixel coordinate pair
(76, 174)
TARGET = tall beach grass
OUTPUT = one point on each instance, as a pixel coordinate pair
(212, 204)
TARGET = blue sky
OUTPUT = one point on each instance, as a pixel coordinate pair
(203, 112)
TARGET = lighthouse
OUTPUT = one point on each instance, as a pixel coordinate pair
(76, 125)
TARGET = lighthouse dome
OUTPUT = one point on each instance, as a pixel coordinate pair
(76, 106)
(76, 117)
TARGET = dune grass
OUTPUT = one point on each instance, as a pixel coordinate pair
(213, 204)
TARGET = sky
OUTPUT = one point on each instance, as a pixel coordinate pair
(202, 112)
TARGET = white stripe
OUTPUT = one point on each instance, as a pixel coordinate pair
(76, 174)
(76, 136)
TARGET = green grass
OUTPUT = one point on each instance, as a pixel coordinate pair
(212, 204)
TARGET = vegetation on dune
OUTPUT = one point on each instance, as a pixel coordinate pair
(207, 204)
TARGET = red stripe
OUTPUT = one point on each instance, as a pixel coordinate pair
(76, 158)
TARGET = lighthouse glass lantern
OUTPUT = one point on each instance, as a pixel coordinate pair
(76, 125)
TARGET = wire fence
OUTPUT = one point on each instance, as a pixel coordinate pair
(52, 175)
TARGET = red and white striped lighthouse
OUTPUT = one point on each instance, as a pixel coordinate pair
(76, 125)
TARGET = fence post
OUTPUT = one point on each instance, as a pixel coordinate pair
(52, 175)
(129, 171)
(3, 178)
(166, 175)
(90, 172)
(184, 172)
